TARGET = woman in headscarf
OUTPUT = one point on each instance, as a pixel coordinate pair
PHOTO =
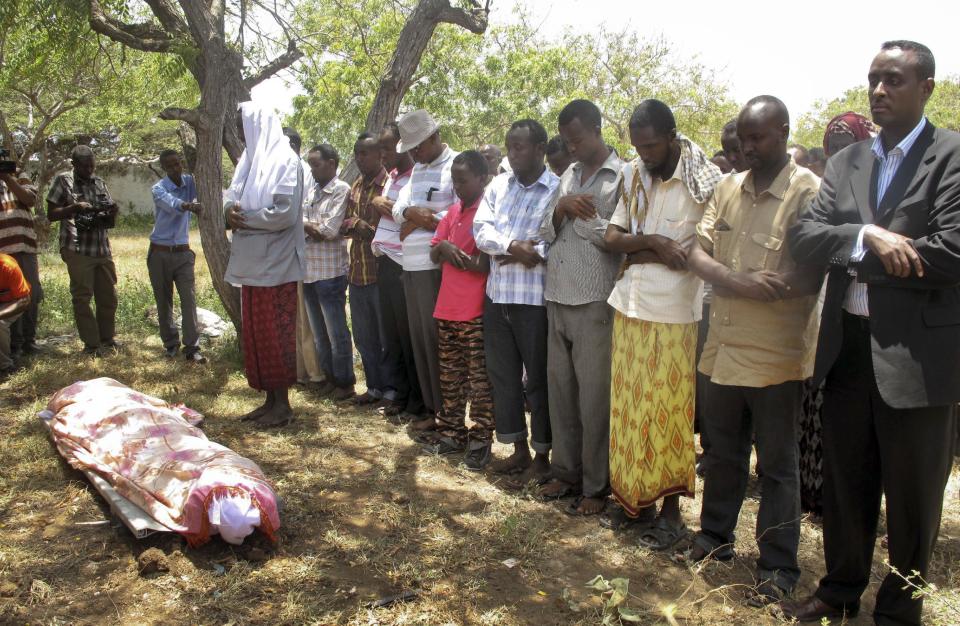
(846, 129)
(843, 130)
(264, 208)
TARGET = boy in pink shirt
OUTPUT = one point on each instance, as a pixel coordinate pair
(459, 315)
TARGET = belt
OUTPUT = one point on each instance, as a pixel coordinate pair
(185, 247)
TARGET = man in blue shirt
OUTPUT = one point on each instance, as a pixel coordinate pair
(170, 260)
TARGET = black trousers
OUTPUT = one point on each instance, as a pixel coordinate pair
(870, 448)
(737, 415)
(397, 347)
(514, 337)
(700, 400)
(23, 331)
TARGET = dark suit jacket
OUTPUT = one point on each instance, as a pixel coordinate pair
(914, 322)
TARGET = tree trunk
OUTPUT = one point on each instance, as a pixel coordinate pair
(220, 91)
(412, 43)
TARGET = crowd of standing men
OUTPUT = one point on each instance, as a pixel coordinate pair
(484, 287)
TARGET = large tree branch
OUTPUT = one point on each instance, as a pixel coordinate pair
(169, 17)
(285, 60)
(190, 116)
(474, 20)
(143, 36)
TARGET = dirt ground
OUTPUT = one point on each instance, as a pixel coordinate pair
(365, 516)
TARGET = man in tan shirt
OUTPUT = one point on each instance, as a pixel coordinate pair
(760, 346)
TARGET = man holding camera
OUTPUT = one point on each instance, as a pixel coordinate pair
(79, 200)
(170, 260)
(18, 238)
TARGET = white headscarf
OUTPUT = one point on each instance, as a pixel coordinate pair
(268, 165)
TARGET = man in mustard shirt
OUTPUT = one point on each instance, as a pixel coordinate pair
(760, 346)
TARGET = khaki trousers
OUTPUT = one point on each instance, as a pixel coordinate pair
(92, 277)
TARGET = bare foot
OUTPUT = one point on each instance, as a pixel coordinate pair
(279, 415)
(425, 424)
(591, 506)
(513, 464)
(541, 465)
(555, 489)
(256, 413)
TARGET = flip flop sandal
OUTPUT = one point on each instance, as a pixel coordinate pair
(573, 509)
(615, 518)
(567, 491)
(662, 535)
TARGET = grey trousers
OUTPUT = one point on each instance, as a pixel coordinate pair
(578, 376)
(774, 410)
(420, 291)
(166, 270)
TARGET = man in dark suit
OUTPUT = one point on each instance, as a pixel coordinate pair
(887, 221)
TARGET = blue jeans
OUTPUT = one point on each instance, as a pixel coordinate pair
(326, 304)
(367, 330)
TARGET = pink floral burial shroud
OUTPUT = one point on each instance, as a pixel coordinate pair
(154, 455)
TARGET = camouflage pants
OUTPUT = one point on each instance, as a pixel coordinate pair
(463, 379)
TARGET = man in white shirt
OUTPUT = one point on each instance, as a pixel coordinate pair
(418, 210)
(658, 305)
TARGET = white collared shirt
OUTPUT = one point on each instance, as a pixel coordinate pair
(856, 299)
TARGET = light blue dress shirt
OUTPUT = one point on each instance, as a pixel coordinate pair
(172, 224)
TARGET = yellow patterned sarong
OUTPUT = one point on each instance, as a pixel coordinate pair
(653, 385)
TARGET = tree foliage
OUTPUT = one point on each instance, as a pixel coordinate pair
(60, 84)
(477, 86)
(943, 110)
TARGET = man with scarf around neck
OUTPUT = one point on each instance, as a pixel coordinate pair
(657, 304)
(263, 207)
(580, 276)
(760, 346)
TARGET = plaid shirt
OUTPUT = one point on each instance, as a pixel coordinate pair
(16, 224)
(363, 264)
(325, 207)
(511, 212)
(65, 190)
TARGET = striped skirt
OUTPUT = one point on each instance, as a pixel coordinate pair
(269, 316)
(653, 385)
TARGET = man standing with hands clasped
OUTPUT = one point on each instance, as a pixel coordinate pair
(886, 221)
(170, 261)
(759, 347)
(580, 275)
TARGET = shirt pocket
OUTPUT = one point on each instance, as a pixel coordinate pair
(762, 251)
(677, 228)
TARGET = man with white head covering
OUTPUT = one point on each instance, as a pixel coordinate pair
(263, 207)
(418, 210)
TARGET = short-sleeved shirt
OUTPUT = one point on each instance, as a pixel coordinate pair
(16, 224)
(363, 263)
(461, 291)
(430, 187)
(13, 286)
(579, 270)
(67, 189)
(752, 343)
(326, 207)
(652, 291)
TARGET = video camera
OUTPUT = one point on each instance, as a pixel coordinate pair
(101, 216)
(7, 165)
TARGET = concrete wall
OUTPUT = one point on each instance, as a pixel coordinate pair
(130, 184)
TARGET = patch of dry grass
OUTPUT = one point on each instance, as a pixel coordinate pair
(365, 515)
